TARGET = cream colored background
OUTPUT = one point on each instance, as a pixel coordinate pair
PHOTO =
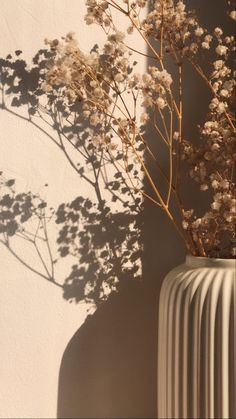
(36, 324)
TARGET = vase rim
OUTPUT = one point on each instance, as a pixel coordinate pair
(201, 261)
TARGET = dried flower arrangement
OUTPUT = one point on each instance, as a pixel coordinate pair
(101, 79)
(98, 105)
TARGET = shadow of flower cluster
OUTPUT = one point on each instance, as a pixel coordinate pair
(17, 208)
(106, 244)
(21, 81)
(25, 216)
(103, 237)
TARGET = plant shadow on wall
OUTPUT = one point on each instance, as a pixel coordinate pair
(104, 241)
(109, 367)
(79, 101)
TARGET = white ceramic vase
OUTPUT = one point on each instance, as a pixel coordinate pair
(196, 340)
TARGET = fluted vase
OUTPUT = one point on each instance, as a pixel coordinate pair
(196, 340)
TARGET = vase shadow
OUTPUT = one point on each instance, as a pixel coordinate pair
(109, 367)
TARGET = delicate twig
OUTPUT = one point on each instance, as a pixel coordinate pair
(48, 278)
(170, 159)
(48, 246)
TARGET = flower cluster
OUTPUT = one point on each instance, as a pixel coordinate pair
(114, 104)
(232, 7)
(176, 28)
(99, 79)
(97, 12)
(212, 163)
(94, 79)
(155, 87)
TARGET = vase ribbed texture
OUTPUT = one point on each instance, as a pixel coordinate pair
(196, 340)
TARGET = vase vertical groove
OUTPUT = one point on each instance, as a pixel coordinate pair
(196, 340)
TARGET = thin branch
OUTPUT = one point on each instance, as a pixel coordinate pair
(48, 246)
(141, 53)
(170, 159)
(41, 259)
(49, 279)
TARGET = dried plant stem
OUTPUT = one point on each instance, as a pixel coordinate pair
(147, 42)
(113, 3)
(170, 159)
(159, 131)
(141, 161)
(162, 32)
(141, 53)
(147, 148)
(180, 139)
(157, 193)
(150, 198)
(201, 247)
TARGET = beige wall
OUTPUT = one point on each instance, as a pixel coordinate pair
(36, 323)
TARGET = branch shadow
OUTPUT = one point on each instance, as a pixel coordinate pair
(101, 236)
(109, 366)
(116, 348)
